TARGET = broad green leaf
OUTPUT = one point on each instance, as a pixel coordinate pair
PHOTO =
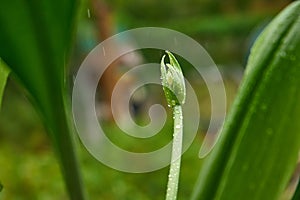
(4, 71)
(35, 38)
(259, 146)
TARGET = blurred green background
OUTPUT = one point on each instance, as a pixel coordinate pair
(28, 167)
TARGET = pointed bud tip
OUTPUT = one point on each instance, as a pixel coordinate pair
(173, 81)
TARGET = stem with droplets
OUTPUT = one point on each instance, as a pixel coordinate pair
(176, 154)
(175, 92)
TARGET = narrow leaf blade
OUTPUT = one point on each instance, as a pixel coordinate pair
(258, 149)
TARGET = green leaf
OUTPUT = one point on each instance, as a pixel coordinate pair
(259, 145)
(4, 72)
(35, 39)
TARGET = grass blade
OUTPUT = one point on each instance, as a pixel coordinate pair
(258, 149)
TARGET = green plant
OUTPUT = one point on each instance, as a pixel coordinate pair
(260, 142)
(174, 88)
(259, 146)
(35, 41)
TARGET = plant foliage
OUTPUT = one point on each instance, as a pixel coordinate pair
(260, 142)
(35, 39)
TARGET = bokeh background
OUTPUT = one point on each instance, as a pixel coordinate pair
(226, 29)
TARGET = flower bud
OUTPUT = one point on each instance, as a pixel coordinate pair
(173, 81)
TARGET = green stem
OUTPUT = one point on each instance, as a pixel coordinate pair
(66, 150)
(60, 127)
(176, 154)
